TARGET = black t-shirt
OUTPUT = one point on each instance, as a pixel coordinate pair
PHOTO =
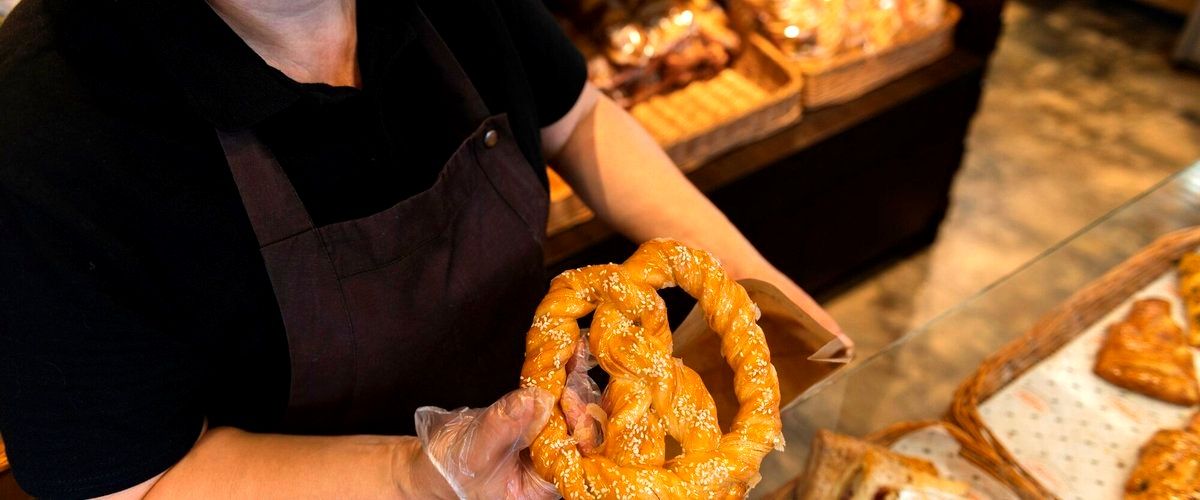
(133, 301)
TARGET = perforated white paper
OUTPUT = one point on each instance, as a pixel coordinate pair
(1076, 433)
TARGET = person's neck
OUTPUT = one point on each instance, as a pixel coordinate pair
(310, 41)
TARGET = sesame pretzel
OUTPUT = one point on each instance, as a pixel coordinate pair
(650, 393)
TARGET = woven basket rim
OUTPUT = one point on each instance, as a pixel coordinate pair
(790, 90)
(981, 457)
(1055, 329)
(815, 65)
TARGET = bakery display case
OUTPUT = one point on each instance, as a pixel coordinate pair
(768, 161)
(845, 48)
(1013, 391)
(702, 87)
(679, 67)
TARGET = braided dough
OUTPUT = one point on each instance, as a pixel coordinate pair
(650, 393)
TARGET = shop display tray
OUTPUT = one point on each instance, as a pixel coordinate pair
(842, 78)
(955, 455)
(566, 209)
(1060, 430)
(756, 96)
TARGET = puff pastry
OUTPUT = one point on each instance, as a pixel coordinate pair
(843, 468)
(651, 394)
(1189, 289)
(1146, 353)
(1168, 465)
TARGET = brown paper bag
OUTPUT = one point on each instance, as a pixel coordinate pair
(802, 351)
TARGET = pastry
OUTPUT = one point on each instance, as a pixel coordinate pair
(1146, 353)
(821, 30)
(1189, 289)
(638, 49)
(651, 394)
(1168, 465)
(844, 468)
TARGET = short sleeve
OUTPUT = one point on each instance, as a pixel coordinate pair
(94, 398)
(556, 70)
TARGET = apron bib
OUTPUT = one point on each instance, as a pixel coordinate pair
(425, 303)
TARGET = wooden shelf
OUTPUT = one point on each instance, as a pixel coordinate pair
(814, 127)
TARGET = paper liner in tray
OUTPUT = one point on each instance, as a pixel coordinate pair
(947, 448)
(1037, 404)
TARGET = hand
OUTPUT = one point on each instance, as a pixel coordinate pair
(478, 451)
(582, 408)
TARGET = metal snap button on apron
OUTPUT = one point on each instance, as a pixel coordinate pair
(491, 138)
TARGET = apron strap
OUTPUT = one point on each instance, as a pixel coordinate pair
(452, 73)
(274, 208)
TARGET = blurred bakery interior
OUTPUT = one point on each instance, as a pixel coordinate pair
(934, 172)
(895, 157)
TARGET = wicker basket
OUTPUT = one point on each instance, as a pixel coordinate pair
(1057, 328)
(758, 95)
(847, 76)
(981, 457)
(566, 209)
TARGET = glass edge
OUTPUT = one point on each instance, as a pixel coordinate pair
(900, 341)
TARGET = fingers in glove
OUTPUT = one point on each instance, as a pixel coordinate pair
(530, 486)
(582, 359)
(477, 451)
(581, 409)
(511, 423)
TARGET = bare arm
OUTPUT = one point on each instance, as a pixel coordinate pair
(467, 452)
(230, 463)
(629, 181)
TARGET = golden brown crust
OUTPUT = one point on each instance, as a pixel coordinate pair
(1146, 353)
(1168, 466)
(651, 394)
(1189, 289)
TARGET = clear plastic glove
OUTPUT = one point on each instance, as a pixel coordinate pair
(479, 451)
(582, 404)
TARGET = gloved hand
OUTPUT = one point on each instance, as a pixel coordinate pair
(478, 451)
(582, 406)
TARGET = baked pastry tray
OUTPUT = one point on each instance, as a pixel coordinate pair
(1077, 434)
(1037, 403)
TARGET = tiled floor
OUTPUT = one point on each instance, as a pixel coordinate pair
(1081, 111)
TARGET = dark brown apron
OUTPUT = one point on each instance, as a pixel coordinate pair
(425, 303)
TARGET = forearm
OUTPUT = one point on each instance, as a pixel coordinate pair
(626, 178)
(630, 182)
(227, 462)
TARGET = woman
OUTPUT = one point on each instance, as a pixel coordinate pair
(247, 240)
